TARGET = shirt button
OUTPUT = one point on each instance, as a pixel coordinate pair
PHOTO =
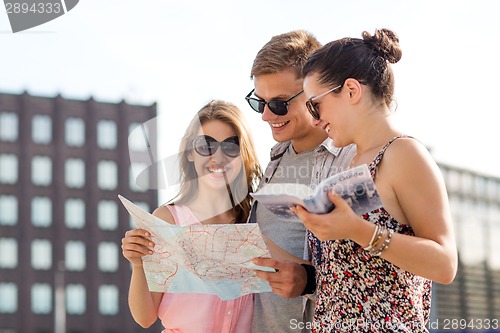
(229, 312)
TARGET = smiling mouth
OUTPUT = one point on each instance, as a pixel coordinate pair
(278, 125)
(217, 171)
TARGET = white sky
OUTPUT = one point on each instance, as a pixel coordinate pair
(184, 53)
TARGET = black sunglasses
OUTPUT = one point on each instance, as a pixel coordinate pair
(312, 107)
(205, 145)
(277, 107)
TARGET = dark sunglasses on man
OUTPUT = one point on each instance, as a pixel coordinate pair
(205, 145)
(276, 106)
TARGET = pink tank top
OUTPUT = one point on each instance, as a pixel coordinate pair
(203, 313)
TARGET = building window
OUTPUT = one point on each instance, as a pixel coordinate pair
(494, 236)
(41, 298)
(8, 209)
(74, 213)
(8, 297)
(41, 129)
(107, 136)
(41, 212)
(136, 139)
(8, 253)
(41, 254)
(471, 233)
(74, 129)
(8, 169)
(139, 177)
(108, 300)
(74, 173)
(9, 126)
(74, 256)
(107, 257)
(493, 191)
(107, 215)
(41, 170)
(107, 175)
(75, 299)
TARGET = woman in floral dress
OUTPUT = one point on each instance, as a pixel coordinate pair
(374, 271)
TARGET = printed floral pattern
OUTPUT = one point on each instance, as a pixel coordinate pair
(357, 292)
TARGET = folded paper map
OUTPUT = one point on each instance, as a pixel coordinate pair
(213, 259)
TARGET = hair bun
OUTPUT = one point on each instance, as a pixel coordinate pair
(385, 43)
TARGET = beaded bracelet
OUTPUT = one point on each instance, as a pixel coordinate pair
(385, 245)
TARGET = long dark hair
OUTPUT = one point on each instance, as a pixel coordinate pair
(366, 60)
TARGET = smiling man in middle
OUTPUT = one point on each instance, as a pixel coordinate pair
(304, 154)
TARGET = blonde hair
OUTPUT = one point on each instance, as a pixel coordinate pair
(285, 51)
(229, 114)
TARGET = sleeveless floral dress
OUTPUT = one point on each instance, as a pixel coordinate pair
(357, 292)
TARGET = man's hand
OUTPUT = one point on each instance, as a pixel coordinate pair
(288, 281)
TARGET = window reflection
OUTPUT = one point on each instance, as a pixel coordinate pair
(41, 298)
(106, 134)
(74, 213)
(9, 126)
(74, 256)
(107, 215)
(8, 253)
(107, 257)
(8, 209)
(41, 212)
(75, 299)
(108, 300)
(8, 297)
(74, 132)
(41, 129)
(41, 170)
(41, 254)
(8, 169)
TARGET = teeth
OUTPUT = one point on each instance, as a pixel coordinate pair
(328, 128)
(279, 124)
(216, 170)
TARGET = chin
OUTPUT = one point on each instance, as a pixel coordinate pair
(282, 137)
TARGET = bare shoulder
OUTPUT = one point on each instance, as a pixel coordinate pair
(410, 158)
(408, 151)
(164, 213)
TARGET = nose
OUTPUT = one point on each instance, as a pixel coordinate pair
(218, 157)
(268, 114)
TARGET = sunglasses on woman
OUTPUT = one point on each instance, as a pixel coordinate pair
(311, 106)
(276, 106)
(205, 145)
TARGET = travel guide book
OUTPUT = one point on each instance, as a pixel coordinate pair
(354, 185)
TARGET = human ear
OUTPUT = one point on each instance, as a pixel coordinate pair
(353, 87)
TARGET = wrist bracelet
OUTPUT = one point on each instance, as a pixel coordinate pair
(386, 243)
(379, 231)
(370, 244)
(311, 280)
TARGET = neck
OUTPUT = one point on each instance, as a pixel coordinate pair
(313, 139)
(212, 205)
(371, 136)
(212, 216)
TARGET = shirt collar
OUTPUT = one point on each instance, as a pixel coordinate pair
(328, 144)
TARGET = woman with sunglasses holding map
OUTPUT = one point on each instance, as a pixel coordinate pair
(374, 271)
(219, 169)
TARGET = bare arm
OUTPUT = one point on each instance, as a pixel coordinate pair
(143, 304)
(412, 190)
